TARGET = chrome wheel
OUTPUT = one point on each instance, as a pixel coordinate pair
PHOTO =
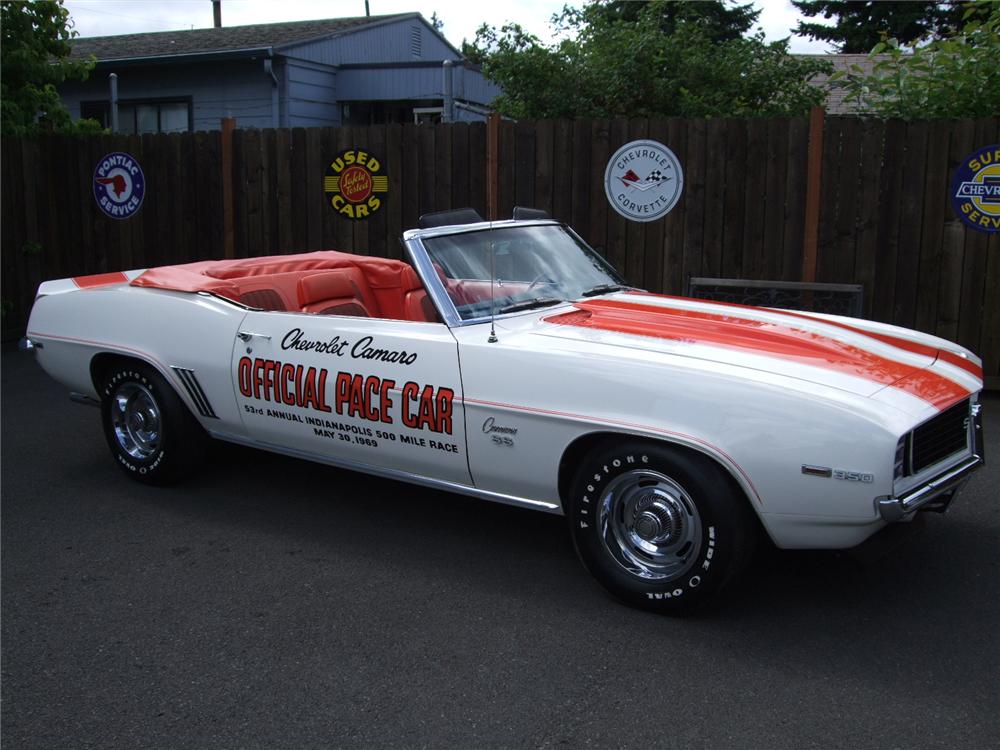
(136, 420)
(649, 524)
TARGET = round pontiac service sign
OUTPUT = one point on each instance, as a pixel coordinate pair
(119, 185)
(644, 180)
(975, 189)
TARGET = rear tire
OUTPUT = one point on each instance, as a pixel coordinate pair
(660, 528)
(151, 433)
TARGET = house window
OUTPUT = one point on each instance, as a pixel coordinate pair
(142, 116)
(427, 115)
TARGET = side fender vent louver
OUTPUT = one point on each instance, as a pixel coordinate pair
(194, 390)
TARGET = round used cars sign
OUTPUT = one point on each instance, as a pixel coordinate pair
(644, 180)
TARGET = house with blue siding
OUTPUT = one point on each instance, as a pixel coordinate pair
(338, 71)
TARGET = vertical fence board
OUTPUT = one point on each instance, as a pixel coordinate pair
(676, 250)
(338, 230)
(732, 238)
(425, 141)
(507, 193)
(716, 138)
(793, 217)
(376, 225)
(461, 166)
(477, 168)
(872, 135)
(562, 172)
(829, 179)
(658, 232)
(907, 262)
(754, 205)
(774, 199)
(600, 152)
(617, 225)
(544, 146)
(524, 166)
(410, 167)
(883, 292)
(635, 236)
(580, 194)
(930, 266)
(690, 209)
(394, 201)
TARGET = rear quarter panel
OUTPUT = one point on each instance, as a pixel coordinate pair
(162, 328)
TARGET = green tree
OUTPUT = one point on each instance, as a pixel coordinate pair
(861, 25)
(958, 76)
(719, 20)
(34, 59)
(616, 67)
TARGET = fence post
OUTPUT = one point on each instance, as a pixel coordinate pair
(228, 234)
(810, 239)
(493, 165)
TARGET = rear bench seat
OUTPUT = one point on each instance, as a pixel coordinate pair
(340, 292)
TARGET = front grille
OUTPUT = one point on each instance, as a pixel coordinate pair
(940, 437)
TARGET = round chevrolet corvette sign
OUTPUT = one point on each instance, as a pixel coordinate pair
(643, 180)
(975, 189)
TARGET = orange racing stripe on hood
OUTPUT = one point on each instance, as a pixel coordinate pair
(767, 338)
(911, 346)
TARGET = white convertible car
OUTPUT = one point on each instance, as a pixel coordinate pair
(508, 361)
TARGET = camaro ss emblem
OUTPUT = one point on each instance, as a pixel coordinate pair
(499, 434)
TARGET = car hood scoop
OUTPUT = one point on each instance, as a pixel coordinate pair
(792, 344)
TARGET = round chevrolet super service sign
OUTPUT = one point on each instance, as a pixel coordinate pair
(644, 180)
(975, 189)
(119, 185)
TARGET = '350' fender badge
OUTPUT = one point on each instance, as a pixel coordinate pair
(355, 184)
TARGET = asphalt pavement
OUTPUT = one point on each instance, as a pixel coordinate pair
(274, 603)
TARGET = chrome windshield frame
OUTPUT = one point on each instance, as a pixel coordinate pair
(420, 259)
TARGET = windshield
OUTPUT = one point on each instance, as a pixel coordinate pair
(534, 266)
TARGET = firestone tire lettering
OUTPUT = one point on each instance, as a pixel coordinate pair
(182, 444)
(702, 566)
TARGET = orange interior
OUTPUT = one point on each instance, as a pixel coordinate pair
(324, 283)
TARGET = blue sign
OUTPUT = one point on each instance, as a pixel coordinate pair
(119, 185)
(975, 189)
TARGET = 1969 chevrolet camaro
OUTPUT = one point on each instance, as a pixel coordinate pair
(508, 361)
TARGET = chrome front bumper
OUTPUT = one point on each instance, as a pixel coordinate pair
(939, 491)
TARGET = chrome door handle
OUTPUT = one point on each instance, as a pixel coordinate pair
(247, 335)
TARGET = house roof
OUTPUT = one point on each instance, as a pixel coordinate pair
(836, 98)
(224, 39)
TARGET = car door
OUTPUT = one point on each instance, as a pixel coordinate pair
(363, 391)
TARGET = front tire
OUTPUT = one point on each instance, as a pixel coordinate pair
(660, 528)
(150, 431)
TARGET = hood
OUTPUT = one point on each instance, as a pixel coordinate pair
(852, 355)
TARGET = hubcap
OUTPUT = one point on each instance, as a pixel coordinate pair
(135, 417)
(649, 524)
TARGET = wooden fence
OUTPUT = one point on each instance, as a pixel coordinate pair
(885, 219)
